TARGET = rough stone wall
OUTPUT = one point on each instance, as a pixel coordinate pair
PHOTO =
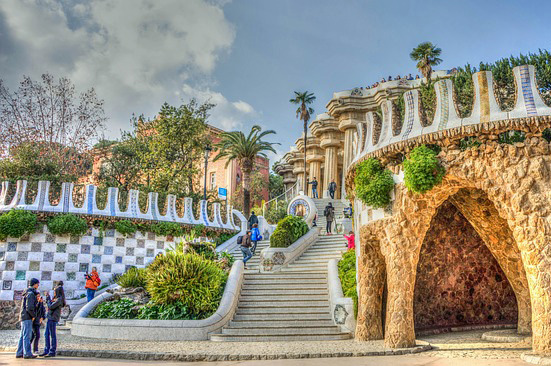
(9, 314)
(515, 179)
(458, 280)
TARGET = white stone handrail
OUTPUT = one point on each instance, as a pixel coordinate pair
(231, 243)
(485, 109)
(342, 308)
(161, 330)
(41, 203)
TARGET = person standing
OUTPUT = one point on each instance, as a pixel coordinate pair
(92, 283)
(37, 322)
(252, 220)
(351, 240)
(314, 184)
(27, 315)
(53, 316)
(332, 189)
(255, 237)
(246, 248)
(329, 214)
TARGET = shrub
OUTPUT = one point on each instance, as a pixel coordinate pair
(119, 309)
(427, 96)
(221, 238)
(17, 223)
(546, 134)
(373, 183)
(510, 137)
(195, 282)
(464, 90)
(125, 227)
(468, 143)
(275, 214)
(67, 224)
(205, 250)
(134, 277)
(347, 275)
(167, 228)
(228, 256)
(422, 171)
(165, 312)
(288, 230)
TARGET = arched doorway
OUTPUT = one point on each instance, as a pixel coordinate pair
(459, 281)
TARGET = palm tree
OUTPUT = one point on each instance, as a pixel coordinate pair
(235, 146)
(303, 99)
(426, 54)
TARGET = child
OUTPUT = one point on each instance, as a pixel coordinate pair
(351, 240)
(53, 316)
(255, 237)
(37, 322)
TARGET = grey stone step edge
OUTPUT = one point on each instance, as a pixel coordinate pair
(183, 357)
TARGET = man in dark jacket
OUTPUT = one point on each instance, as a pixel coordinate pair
(28, 313)
(332, 189)
(252, 220)
(40, 316)
(314, 184)
(246, 248)
(329, 213)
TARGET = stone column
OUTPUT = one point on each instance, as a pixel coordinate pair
(326, 129)
(347, 124)
(314, 158)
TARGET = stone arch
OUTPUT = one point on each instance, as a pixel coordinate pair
(515, 179)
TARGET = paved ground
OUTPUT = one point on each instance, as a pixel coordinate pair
(8, 359)
(461, 347)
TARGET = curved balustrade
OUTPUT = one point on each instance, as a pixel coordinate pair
(485, 109)
(66, 205)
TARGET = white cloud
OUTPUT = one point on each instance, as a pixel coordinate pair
(226, 115)
(136, 53)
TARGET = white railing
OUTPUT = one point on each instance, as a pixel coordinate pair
(289, 194)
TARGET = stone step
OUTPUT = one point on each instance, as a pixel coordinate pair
(331, 329)
(287, 308)
(276, 317)
(282, 298)
(300, 269)
(283, 304)
(283, 282)
(285, 287)
(277, 276)
(279, 338)
(307, 265)
(316, 259)
(282, 310)
(283, 291)
(278, 323)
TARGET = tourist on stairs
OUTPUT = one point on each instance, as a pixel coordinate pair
(252, 220)
(245, 248)
(255, 237)
(351, 240)
(329, 214)
(314, 184)
(332, 189)
(54, 315)
(28, 313)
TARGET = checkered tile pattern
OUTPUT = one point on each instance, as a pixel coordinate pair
(53, 258)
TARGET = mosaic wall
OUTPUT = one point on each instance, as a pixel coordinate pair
(52, 258)
(458, 280)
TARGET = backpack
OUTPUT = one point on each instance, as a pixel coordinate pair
(240, 239)
(326, 211)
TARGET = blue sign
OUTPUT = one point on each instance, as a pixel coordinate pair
(222, 193)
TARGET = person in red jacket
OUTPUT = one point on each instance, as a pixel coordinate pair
(92, 283)
(351, 240)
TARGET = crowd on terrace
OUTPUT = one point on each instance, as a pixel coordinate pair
(390, 78)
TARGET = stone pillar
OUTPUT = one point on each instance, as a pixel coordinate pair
(347, 124)
(330, 173)
(326, 129)
(314, 158)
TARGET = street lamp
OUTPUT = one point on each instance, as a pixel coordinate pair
(208, 149)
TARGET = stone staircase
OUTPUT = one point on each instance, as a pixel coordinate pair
(253, 265)
(339, 206)
(292, 305)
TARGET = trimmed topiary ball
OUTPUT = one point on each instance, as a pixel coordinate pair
(67, 224)
(423, 170)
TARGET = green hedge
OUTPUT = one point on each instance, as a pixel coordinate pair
(16, 223)
(347, 275)
(288, 230)
(67, 224)
(373, 183)
(422, 171)
(134, 277)
(126, 227)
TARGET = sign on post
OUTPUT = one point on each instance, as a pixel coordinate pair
(222, 193)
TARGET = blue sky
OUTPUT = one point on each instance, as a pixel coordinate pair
(248, 56)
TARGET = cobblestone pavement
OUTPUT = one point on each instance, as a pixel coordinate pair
(406, 360)
(460, 345)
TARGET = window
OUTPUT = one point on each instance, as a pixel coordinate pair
(212, 180)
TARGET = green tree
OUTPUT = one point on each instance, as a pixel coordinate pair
(244, 149)
(276, 187)
(304, 112)
(426, 54)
